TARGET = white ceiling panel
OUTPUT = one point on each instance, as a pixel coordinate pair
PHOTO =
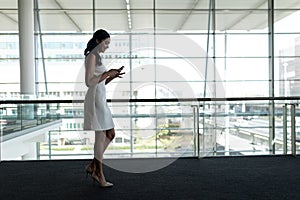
(174, 4)
(241, 20)
(141, 4)
(169, 20)
(112, 20)
(75, 4)
(286, 4)
(202, 4)
(241, 4)
(110, 4)
(82, 19)
(56, 22)
(76, 15)
(79, 21)
(142, 19)
(65, 4)
(196, 21)
(8, 4)
(9, 20)
(47, 4)
(250, 22)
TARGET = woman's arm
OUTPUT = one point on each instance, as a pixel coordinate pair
(90, 66)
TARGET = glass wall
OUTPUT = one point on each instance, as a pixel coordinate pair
(171, 49)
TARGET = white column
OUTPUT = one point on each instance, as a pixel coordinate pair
(26, 46)
(26, 41)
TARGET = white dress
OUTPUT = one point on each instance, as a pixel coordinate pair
(97, 115)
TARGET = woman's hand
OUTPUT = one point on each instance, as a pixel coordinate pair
(114, 73)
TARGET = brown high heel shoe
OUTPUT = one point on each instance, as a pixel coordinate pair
(96, 175)
(103, 185)
(90, 168)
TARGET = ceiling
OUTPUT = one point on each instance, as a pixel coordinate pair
(125, 15)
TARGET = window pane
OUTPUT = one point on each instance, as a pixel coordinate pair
(285, 21)
(246, 45)
(286, 44)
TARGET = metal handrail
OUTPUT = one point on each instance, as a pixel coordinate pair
(28, 101)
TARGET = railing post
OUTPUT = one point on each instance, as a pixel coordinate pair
(49, 144)
(196, 130)
(1, 133)
(285, 129)
(293, 129)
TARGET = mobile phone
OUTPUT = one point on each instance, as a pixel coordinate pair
(121, 68)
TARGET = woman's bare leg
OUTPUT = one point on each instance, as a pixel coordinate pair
(99, 147)
(102, 140)
(100, 144)
(110, 135)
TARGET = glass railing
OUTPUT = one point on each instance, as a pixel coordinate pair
(155, 128)
(19, 117)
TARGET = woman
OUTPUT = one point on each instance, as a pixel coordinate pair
(97, 115)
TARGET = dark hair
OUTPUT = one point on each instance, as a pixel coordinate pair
(99, 35)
